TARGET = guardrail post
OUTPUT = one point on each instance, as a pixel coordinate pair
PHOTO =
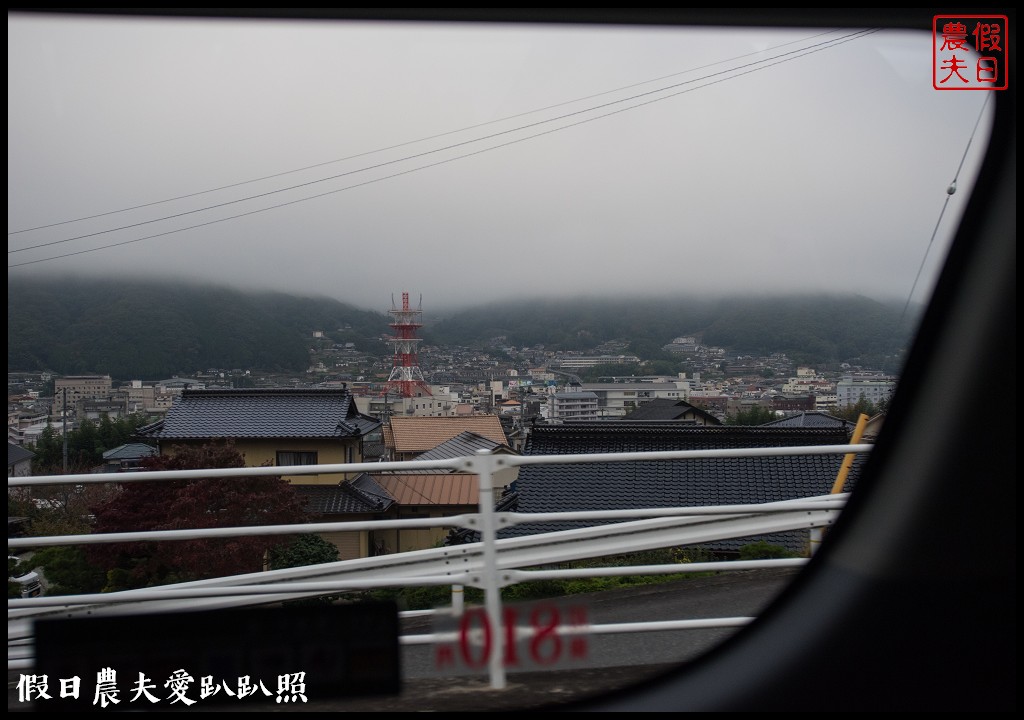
(458, 600)
(484, 464)
(817, 534)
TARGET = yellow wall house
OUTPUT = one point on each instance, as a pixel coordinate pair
(275, 426)
(438, 492)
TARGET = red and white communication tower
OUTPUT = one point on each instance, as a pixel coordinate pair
(406, 377)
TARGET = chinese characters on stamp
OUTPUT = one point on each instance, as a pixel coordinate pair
(970, 52)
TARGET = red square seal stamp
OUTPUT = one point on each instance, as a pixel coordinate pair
(970, 52)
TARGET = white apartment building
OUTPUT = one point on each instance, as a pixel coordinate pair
(81, 387)
(826, 402)
(617, 399)
(874, 389)
(441, 404)
(572, 406)
(571, 362)
(540, 375)
(807, 386)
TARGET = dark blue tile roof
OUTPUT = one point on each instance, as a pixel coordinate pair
(268, 413)
(373, 450)
(677, 483)
(669, 409)
(466, 443)
(812, 419)
(130, 451)
(361, 495)
(370, 489)
(16, 453)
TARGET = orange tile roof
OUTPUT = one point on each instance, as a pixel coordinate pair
(427, 489)
(419, 434)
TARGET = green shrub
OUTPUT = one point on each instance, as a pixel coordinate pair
(68, 571)
(433, 597)
(535, 590)
(691, 555)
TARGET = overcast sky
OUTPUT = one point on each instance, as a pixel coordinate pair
(475, 163)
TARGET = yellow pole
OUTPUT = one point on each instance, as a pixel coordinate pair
(844, 469)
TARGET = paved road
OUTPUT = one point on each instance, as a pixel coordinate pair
(614, 661)
(739, 594)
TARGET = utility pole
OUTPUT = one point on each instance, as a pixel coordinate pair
(64, 429)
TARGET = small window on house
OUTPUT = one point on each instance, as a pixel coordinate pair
(287, 457)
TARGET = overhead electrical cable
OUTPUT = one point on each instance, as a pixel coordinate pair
(748, 71)
(520, 128)
(409, 142)
(950, 191)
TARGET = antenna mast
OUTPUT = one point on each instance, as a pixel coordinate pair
(406, 378)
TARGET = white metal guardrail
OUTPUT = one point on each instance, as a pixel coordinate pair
(490, 564)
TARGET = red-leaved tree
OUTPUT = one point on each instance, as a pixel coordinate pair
(201, 503)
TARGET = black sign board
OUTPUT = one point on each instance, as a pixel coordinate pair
(283, 655)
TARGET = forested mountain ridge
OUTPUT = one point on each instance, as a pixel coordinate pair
(152, 330)
(809, 328)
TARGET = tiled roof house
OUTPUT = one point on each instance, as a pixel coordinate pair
(465, 444)
(811, 418)
(19, 460)
(409, 437)
(672, 409)
(279, 426)
(126, 457)
(270, 426)
(679, 483)
(425, 495)
(361, 498)
(439, 492)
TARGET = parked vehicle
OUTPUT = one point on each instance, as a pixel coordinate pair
(31, 585)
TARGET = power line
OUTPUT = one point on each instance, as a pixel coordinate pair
(434, 164)
(805, 51)
(950, 190)
(406, 143)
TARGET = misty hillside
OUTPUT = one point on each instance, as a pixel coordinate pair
(153, 330)
(150, 330)
(808, 328)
